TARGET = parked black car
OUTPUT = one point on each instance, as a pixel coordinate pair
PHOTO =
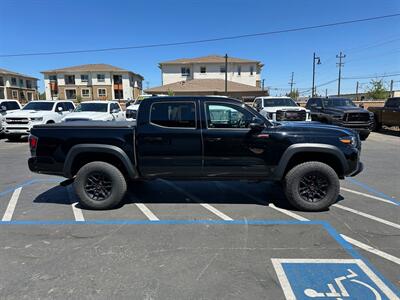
(197, 138)
(341, 112)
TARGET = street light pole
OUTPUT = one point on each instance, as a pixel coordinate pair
(315, 58)
(226, 74)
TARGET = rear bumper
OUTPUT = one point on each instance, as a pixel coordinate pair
(45, 165)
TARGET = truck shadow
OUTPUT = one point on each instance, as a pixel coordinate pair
(186, 192)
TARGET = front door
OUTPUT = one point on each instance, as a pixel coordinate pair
(231, 149)
(169, 143)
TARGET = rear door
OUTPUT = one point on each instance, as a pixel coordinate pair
(169, 143)
(231, 149)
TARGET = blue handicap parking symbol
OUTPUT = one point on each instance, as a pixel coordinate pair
(323, 279)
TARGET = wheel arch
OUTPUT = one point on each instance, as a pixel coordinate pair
(299, 153)
(82, 154)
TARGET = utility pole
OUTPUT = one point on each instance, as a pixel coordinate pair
(357, 91)
(315, 58)
(263, 84)
(326, 93)
(291, 83)
(391, 88)
(226, 74)
(340, 64)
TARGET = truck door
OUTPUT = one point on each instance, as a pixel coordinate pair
(231, 149)
(169, 143)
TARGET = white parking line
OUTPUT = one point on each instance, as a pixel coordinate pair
(345, 237)
(216, 211)
(365, 215)
(370, 249)
(196, 199)
(11, 205)
(145, 210)
(368, 196)
(78, 214)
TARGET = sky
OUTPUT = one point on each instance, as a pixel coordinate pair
(371, 48)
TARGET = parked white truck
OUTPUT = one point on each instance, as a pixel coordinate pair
(281, 109)
(96, 111)
(20, 123)
(6, 107)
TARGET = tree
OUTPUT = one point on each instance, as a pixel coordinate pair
(170, 92)
(42, 96)
(293, 94)
(377, 90)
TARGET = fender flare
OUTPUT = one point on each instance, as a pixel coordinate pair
(98, 148)
(308, 148)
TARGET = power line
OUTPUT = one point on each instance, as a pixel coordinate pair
(372, 76)
(204, 40)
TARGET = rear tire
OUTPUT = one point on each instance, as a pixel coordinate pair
(311, 186)
(14, 138)
(100, 185)
(364, 136)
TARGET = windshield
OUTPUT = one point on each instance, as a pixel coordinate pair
(39, 106)
(97, 107)
(338, 102)
(393, 102)
(279, 102)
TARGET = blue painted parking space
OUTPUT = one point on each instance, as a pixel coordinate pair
(330, 279)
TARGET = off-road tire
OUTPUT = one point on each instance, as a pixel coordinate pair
(14, 138)
(113, 175)
(292, 185)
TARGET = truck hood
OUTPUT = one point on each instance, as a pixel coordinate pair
(88, 115)
(346, 109)
(314, 127)
(28, 113)
(274, 109)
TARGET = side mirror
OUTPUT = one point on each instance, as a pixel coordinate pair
(115, 111)
(59, 109)
(257, 125)
(3, 108)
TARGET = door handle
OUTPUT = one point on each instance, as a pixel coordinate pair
(153, 139)
(214, 139)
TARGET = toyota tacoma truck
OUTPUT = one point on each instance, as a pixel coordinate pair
(388, 115)
(197, 138)
(341, 112)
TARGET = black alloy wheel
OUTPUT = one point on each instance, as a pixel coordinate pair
(98, 186)
(313, 187)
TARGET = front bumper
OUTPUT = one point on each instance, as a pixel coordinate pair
(358, 170)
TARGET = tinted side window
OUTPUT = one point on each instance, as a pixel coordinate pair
(11, 105)
(174, 114)
(60, 105)
(114, 106)
(68, 106)
(221, 115)
(309, 103)
(318, 102)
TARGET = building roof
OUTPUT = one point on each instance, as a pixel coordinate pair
(208, 59)
(90, 68)
(8, 72)
(203, 85)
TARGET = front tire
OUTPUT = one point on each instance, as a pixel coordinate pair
(14, 138)
(311, 186)
(100, 185)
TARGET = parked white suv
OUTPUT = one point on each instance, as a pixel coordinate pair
(281, 109)
(36, 112)
(6, 107)
(131, 111)
(96, 111)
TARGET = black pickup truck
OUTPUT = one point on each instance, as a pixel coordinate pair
(341, 112)
(197, 138)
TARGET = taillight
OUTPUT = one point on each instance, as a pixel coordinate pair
(33, 142)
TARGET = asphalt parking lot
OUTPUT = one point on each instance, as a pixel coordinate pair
(201, 240)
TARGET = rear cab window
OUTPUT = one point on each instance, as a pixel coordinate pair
(173, 114)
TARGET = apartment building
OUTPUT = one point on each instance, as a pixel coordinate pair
(92, 82)
(206, 76)
(240, 70)
(17, 86)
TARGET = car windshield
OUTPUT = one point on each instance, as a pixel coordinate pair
(279, 102)
(39, 106)
(338, 102)
(96, 107)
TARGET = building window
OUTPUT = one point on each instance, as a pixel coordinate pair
(84, 78)
(21, 82)
(69, 79)
(14, 94)
(101, 77)
(2, 96)
(70, 94)
(239, 70)
(203, 70)
(85, 93)
(53, 78)
(251, 70)
(30, 96)
(13, 81)
(22, 95)
(222, 69)
(102, 92)
(1, 81)
(185, 71)
(28, 84)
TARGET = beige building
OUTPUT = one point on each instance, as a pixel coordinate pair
(206, 76)
(17, 86)
(92, 82)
